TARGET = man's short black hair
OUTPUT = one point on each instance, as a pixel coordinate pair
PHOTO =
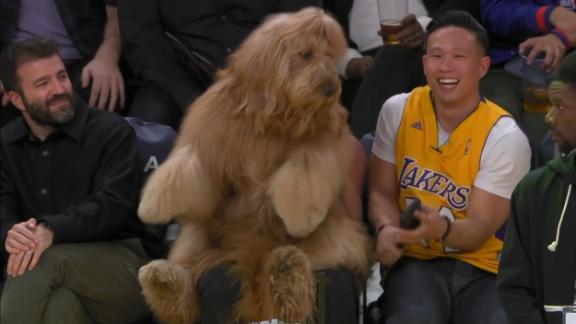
(462, 19)
(567, 70)
(18, 53)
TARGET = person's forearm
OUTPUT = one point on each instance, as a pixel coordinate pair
(383, 211)
(110, 47)
(565, 21)
(511, 17)
(467, 234)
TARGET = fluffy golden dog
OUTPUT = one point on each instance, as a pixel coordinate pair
(257, 178)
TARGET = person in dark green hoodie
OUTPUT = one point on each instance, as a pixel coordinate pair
(537, 274)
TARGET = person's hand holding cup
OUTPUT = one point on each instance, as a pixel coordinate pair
(391, 14)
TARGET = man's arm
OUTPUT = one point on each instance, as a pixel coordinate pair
(486, 213)
(515, 19)
(16, 233)
(352, 192)
(515, 284)
(21, 237)
(102, 73)
(384, 211)
(114, 199)
(565, 21)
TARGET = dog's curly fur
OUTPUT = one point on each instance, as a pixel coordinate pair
(256, 178)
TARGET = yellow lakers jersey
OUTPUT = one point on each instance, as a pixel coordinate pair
(442, 176)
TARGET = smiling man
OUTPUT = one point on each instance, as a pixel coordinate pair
(461, 156)
(538, 268)
(69, 187)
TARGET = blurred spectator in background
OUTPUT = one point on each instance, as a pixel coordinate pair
(175, 47)
(535, 29)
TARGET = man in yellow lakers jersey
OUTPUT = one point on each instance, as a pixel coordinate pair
(461, 156)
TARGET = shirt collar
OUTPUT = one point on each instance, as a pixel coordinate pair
(18, 129)
(75, 128)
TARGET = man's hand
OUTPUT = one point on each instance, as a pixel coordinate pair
(432, 227)
(45, 238)
(102, 73)
(5, 99)
(549, 44)
(388, 248)
(21, 261)
(357, 68)
(412, 33)
(107, 83)
(21, 238)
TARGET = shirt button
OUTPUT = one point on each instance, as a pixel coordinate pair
(44, 191)
(45, 153)
(223, 17)
(229, 50)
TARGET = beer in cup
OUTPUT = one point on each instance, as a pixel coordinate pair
(391, 13)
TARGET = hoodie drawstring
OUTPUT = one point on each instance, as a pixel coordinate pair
(552, 247)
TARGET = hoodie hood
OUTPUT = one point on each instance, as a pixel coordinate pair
(565, 166)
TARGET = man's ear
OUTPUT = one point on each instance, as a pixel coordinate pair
(424, 64)
(16, 100)
(484, 65)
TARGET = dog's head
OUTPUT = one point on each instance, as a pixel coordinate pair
(284, 75)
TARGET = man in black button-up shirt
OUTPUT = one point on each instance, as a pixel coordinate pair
(69, 187)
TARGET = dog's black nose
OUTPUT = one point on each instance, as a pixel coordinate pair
(329, 89)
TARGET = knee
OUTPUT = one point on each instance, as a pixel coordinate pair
(49, 265)
(62, 299)
(154, 105)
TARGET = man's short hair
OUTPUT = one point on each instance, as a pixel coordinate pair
(19, 53)
(462, 19)
(567, 70)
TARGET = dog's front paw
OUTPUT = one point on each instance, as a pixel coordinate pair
(149, 212)
(292, 284)
(180, 187)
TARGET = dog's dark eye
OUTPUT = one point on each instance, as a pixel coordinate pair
(308, 55)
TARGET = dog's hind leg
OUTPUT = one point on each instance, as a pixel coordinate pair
(287, 285)
(170, 291)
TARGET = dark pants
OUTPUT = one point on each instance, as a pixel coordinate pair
(440, 291)
(152, 104)
(79, 283)
(396, 69)
(219, 291)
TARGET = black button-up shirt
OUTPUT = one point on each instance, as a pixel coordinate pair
(83, 180)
